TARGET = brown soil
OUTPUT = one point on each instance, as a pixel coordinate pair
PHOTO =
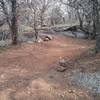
(27, 71)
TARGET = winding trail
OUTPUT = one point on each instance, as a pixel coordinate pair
(26, 70)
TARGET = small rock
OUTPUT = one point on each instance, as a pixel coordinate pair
(71, 91)
(39, 40)
(61, 69)
(64, 63)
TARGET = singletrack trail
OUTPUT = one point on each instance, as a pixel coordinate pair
(26, 70)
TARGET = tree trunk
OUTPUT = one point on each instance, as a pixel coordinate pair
(93, 35)
(36, 34)
(35, 27)
(80, 19)
(14, 31)
(98, 44)
(96, 24)
(14, 27)
(41, 18)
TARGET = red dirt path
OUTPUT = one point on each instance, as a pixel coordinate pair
(33, 60)
(39, 56)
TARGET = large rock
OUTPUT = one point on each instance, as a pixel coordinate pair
(63, 65)
(46, 37)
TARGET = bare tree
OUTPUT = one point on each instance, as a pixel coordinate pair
(9, 8)
(33, 6)
(14, 27)
(86, 10)
(44, 5)
(91, 11)
(95, 13)
(56, 16)
(77, 7)
(38, 9)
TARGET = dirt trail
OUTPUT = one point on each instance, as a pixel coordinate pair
(25, 70)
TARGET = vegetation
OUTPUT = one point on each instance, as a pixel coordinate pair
(49, 49)
(50, 12)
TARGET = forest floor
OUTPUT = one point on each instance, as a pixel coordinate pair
(29, 71)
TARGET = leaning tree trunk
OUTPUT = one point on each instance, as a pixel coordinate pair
(14, 27)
